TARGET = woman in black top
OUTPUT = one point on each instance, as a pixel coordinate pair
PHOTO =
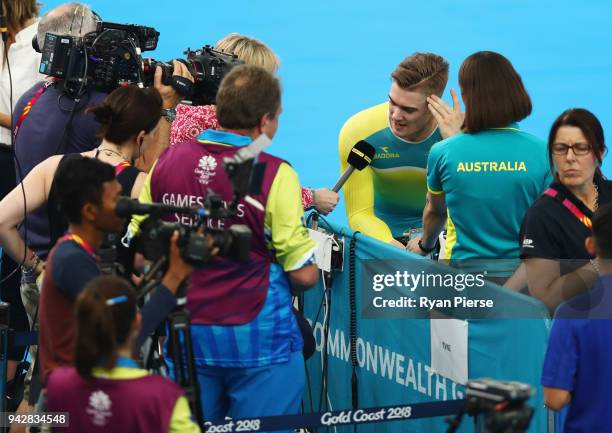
(556, 263)
(129, 118)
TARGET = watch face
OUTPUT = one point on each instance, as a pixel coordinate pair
(169, 114)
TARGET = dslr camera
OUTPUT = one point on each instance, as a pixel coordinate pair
(207, 66)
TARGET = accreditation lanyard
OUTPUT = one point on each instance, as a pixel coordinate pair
(120, 167)
(28, 107)
(551, 192)
(80, 242)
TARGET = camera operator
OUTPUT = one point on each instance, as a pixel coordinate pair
(192, 120)
(247, 345)
(49, 121)
(87, 194)
(107, 323)
(577, 364)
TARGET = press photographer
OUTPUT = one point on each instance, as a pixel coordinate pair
(246, 341)
(88, 193)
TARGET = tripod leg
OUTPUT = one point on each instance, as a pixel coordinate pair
(184, 366)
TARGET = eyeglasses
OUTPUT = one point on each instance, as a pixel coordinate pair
(578, 148)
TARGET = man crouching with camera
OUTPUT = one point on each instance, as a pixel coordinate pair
(247, 344)
(87, 194)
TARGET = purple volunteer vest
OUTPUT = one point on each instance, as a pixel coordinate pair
(142, 405)
(224, 292)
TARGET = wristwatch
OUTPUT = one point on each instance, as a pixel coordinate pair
(425, 250)
(169, 114)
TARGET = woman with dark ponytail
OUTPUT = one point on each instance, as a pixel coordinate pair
(106, 391)
(129, 119)
(555, 259)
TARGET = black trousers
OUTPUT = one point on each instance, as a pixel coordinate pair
(10, 289)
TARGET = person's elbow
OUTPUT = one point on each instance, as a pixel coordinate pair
(304, 277)
(6, 227)
(555, 398)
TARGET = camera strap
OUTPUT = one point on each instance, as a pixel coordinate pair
(28, 107)
(571, 207)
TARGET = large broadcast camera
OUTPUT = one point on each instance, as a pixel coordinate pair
(102, 60)
(111, 57)
(501, 404)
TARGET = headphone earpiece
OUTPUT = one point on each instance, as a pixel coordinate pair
(35, 44)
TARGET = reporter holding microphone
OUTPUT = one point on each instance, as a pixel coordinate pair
(106, 391)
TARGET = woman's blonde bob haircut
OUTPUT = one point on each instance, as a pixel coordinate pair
(250, 51)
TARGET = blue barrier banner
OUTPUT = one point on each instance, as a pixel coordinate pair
(346, 417)
(391, 357)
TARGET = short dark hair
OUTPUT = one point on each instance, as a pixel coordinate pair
(591, 128)
(246, 94)
(79, 181)
(126, 111)
(424, 72)
(101, 328)
(602, 231)
(493, 92)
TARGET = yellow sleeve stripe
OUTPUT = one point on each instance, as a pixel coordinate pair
(181, 420)
(284, 219)
(301, 262)
(359, 188)
(144, 197)
(434, 192)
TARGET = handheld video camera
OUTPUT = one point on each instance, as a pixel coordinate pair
(195, 242)
(102, 60)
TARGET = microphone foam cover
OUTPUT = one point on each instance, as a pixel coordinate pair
(361, 155)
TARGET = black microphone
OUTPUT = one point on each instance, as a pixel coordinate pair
(127, 207)
(359, 158)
